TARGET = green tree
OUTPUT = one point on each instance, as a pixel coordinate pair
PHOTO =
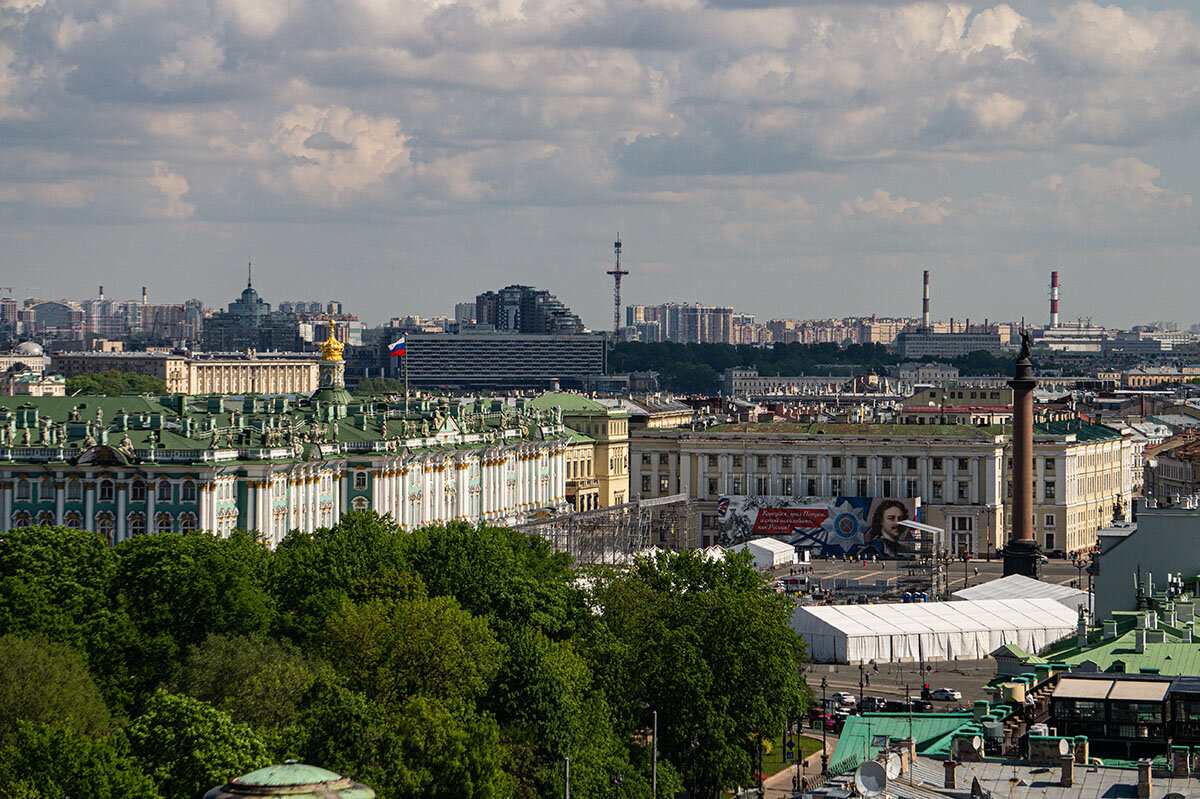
(379, 385)
(115, 384)
(418, 747)
(509, 578)
(187, 746)
(702, 644)
(54, 583)
(46, 761)
(177, 589)
(392, 649)
(47, 682)
(256, 680)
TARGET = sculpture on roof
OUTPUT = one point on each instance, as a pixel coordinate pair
(1026, 344)
(99, 417)
(126, 446)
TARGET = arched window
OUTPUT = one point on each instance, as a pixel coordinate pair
(106, 491)
(137, 524)
(74, 490)
(21, 520)
(137, 492)
(74, 521)
(162, 523)
(187, 522)
(188, 491)
(23, 491)
(46, 491)
(359, 503)
(360, 480)
(105, 526)
(164, 491)
(45, 518)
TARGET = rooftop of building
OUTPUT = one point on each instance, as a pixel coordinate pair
(574, 404)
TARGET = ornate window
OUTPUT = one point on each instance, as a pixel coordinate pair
(74, 521)
(187, 522)
(74, 490)
(137, 492)
(21, 519)
(106, 490)
(359, 503)
(360, 481)
(105, 526)
(164, 491)
(162, 523)
(137, 523)
(45, 518)
(188, 491)
(23, 491)
(46, 490)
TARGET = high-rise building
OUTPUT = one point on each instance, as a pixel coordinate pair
(524, 309)
(250, 324)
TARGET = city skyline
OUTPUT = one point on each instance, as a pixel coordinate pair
(789, 160)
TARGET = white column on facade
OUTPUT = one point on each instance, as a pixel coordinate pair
(205, 521)
(377, 490)
(974, 478)
(250, 521)
(151, 496)
(336, 492)
(685, 474)
(121, 524)
(60, 497)
(6, 504)
(89, 504)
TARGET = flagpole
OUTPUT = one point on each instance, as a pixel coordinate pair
(404, 357)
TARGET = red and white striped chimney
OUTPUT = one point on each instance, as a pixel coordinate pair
(925, 301)
(1054, 299)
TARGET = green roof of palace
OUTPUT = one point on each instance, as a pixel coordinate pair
(570, 403)
(1173, 657)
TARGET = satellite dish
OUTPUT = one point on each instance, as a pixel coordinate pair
(893, 766)
(1064, 748)
(870, 778)
(977, 742)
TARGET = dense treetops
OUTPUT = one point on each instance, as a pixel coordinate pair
(454, 661)
(115, 384)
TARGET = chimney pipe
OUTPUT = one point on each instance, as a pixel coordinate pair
(1054, 299)
(143, 295)
(102, 292)
(925, 301)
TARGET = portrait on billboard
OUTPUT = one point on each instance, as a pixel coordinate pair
(825, 525)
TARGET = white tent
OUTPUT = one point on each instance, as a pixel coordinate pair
(768, 553)
(966, 630)
(1018, 586)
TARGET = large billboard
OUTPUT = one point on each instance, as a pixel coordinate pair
(827, 525)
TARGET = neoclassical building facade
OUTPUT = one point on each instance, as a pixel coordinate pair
(123, 466)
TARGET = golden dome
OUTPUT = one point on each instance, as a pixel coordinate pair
(331, 348)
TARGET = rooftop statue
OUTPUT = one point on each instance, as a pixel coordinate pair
(331, 348)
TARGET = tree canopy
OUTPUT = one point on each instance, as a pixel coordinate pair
(453, 661)
(115, 384)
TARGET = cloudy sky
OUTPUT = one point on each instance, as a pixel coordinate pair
(791, 159)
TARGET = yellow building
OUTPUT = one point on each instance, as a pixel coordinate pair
(608, 429)
(254, 374)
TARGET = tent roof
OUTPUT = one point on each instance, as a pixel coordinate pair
(939, 617)
(1018, 586)
(772, 544)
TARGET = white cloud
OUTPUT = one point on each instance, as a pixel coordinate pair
(1125, 185)
(883, 205)
(172, 187)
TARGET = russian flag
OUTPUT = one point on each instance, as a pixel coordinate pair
(396, 348)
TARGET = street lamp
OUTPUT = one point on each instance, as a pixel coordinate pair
(861, 691)
(824, 731)
(694, 745)
(617, 779)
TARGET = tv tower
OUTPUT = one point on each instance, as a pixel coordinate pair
(617, 272)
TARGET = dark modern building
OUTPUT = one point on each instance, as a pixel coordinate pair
(524, 309)
(250, 324)
(499, 360)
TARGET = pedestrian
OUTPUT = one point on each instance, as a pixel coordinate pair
(876, 667)
(976, 571)
(868, 679)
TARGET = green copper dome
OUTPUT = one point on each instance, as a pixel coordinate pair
(294, 780)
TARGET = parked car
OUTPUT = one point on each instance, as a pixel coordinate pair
(922, 706)
(945, 695)
(873, 704)
(844, 698)
(896, 706)
(819, 719)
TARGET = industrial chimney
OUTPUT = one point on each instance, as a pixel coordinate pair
(143, 295)
(1054, 299)
(102, 292)
(925, 302)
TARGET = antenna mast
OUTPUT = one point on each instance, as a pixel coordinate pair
(617, 272)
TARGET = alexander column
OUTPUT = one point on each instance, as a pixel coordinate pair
(1021, 553)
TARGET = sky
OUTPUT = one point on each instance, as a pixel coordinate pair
(790, 159)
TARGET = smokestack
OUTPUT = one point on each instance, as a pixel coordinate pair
(102, 292)
(925, 302)
(1054, 299)
(143, 295)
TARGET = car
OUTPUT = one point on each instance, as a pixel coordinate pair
(873, 704)
(844, 698)
(922, 706)
(819, 719)
(945, 695)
